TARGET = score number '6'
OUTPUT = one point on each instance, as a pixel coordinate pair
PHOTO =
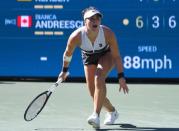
(156, 22)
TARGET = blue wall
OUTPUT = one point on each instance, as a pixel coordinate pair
(147, 32)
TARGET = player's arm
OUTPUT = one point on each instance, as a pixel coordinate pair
(112, 41)
(72, 43)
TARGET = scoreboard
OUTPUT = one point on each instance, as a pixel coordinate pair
(33, 36)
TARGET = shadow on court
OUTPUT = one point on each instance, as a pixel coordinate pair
(114, 127)
(4, 82)
(130, 127)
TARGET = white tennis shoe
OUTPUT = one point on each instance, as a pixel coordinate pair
(111, 117)
(94, 120)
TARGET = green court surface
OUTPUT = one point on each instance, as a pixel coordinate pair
(147, 107)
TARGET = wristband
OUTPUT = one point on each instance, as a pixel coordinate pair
(67, 58)
(120, 75)
(65, 69)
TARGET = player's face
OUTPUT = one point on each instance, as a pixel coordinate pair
(93, 22)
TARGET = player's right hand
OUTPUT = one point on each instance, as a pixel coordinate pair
(63, 75)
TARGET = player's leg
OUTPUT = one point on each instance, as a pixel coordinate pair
(89, 75)
(105, 64)
(108, 105)
(90, 71)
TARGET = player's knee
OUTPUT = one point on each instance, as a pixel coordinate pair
(99, 81)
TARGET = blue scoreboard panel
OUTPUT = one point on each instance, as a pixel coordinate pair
(33, 36)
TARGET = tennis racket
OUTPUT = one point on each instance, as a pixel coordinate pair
(39, 102)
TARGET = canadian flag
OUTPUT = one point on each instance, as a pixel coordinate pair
(24, 21)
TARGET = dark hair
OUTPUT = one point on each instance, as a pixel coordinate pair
(87, 9)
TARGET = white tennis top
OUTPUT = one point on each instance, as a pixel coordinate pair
(99, 44)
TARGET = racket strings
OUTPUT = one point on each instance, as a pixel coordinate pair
(36, 107)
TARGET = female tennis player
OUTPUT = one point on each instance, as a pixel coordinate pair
(100, 54)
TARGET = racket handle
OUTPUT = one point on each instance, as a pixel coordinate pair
(61, 80)
(52, 88)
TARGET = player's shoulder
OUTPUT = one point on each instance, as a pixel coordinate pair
(76, 35)
(77, 32)
(107, 30)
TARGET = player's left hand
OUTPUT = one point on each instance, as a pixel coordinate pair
(123, 85)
